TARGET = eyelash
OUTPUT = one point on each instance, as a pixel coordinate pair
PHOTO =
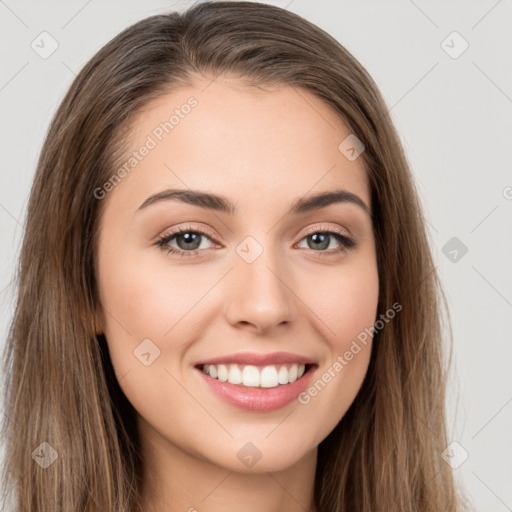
(346, 242)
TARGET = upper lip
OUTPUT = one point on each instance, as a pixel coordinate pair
(253, 358)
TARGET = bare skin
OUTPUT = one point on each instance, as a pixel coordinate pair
(262, 150)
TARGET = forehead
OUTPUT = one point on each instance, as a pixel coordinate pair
(225, 137)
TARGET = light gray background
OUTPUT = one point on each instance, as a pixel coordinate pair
(453, 115)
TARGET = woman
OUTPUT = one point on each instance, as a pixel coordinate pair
(226, 295)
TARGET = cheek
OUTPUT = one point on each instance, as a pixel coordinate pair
(147, 299)
(148, 305)
(344, 300)
(346, 309)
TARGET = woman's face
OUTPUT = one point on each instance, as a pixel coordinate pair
(263, 284)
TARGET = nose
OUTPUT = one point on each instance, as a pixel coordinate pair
(260, 295)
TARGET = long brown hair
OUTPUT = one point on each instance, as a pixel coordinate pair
(385, 454)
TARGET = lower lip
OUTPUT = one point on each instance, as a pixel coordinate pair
(258, 399)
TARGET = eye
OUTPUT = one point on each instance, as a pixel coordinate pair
(188, 240)
(322, 239)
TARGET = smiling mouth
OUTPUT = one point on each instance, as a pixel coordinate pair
(252, 376)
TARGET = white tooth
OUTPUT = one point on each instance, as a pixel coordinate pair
(205, 369)
(282, 376)
(235, 375)
(300, 370)
(212, 370)
(292, 374)
(269, 377)
(251, 376)
(222, 373)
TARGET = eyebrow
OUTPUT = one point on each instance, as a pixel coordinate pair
(221, 204)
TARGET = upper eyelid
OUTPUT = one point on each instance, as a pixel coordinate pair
(322, 228)
(186, 229)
